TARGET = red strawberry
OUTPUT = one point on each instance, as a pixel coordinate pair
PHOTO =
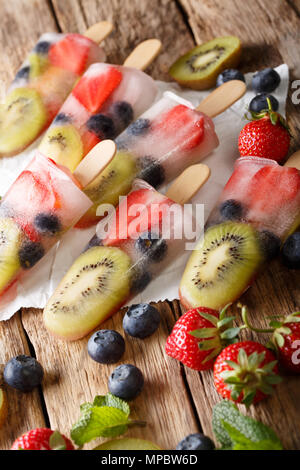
(178, 118)
(285, 339)
(265, 136)
(71, 53)
(93, 90)
(89, 140)
(42, 439)
(198, 337)
(246, 372)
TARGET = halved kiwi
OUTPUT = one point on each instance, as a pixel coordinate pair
(200, 67)
(114, 181)
(10, 240)
(127, 443)
(95, 286)
(222, 266)
(22, 118)
(63, 144)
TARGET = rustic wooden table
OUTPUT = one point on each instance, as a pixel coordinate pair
(176, 401)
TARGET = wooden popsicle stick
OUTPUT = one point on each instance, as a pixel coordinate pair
(99, 31)
(294, 160)
(188, 183)
(143, 54)
(95, 162)
(222, 98)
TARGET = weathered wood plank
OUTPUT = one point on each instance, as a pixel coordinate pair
(73, 378)
(22, 22)
(134, 21)
(24, 410)
(277, 290)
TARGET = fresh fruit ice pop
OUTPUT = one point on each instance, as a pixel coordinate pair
(119, 262)
(157, 147)
(258, 209)
(41, 85)
(102, 104)
(41, 205)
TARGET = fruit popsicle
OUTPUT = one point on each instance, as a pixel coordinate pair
(258, 209)
(41, 205)
(157, 147)
(41, 85)
(138, 241)
(103, 103)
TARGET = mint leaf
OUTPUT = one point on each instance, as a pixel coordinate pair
(235, 431)
(99, 421)
(112, 401)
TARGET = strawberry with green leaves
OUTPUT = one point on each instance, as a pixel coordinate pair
(246, 372)
(285, 339)
(266, 136)
(42, 439)
(199, 336)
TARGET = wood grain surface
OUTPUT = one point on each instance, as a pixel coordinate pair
(176, 401)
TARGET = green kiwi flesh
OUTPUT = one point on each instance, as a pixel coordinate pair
(63, 144)
(222, 266)
(95, 286)
(200, 67)
(22, 118)
(10, 240)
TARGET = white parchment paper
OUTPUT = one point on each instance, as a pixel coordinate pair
(36, 286)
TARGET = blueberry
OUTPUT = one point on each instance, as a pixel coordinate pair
(231, 210)
(103, 126)
(42, 47)
(30, 253)
(139, 280)
(152, 245)
(291, 251)
(196, 441)
(266, 80)
(141, 320)
(259, 102)
(95, 241)
(124, 112)
(23, 373)
(126, 382)
(151, 171)
(106, 346)
(47, 223)
(62, 118)
(270, 244)
(228, 75)
(139, 127)
(23, 73)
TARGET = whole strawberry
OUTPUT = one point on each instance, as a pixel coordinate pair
(246, 372)
(266, 136)
(42, 439)
(198, 337)
(285, 339)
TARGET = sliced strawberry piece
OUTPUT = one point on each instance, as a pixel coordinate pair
(172, 122)
(93, 90)
(71, 53)
(89, 140)
(274, 187)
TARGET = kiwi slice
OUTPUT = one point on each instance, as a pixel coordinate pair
(10, 239)
(128, 443)
(95, 286)
(63, 144)
(200, 67)
(222, 266)
(114, 181)
(22, 118)
(38, 63)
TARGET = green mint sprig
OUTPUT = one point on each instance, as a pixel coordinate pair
(107, 416)
(235, 431)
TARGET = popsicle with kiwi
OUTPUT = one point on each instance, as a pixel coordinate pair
(43, 82)
(200, 67)
(258, 209)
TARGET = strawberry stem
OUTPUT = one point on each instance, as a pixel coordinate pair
(244, 312)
